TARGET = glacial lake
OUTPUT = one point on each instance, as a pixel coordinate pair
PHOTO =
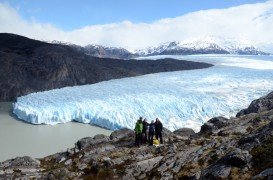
(18, 138)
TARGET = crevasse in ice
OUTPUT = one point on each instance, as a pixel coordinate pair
(179, 99)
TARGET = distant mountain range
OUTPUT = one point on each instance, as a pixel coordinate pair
(207, 45)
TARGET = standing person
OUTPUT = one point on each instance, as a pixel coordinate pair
(158, 130)
(151, 133)
(138, 131)
(144, 131)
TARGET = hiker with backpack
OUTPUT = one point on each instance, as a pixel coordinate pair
(158, 130)
(151, 133)
(138, 132)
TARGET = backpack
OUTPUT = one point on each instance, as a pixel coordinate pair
(152, 128)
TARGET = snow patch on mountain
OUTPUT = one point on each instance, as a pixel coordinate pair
(204, 45)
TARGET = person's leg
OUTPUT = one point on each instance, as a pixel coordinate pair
(156, 135)
(150, 138)
(145, 137)
(161, 140)
(136, 139)
(140, 138)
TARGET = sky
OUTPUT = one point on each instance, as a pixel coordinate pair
(71, 14)
(137, 23)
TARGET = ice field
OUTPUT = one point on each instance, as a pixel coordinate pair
(179, 99)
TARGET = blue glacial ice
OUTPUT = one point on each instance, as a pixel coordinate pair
(179, 99)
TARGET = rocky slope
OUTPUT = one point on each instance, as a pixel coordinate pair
(236, 148)
(27, 66)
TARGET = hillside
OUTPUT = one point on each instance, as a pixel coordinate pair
(233, 148)
(28, 65)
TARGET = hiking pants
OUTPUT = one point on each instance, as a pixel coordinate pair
(159, 135)
(150, 138)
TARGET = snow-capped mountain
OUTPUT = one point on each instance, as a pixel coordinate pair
(104, 51)
(207, 45)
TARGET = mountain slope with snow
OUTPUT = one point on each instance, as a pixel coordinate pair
(207, 45)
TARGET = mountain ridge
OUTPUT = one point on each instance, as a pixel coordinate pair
(206, 45)
(28, 65)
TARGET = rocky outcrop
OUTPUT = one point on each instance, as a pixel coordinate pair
(27, 66)
(259, 105)
(236, 148)
(184, 132)
(213, 125)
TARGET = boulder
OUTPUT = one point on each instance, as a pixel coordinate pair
(122, 134)
(89, 141)
(262, 104)
(24, 161)
(184, 132)
(237, 158)
(219, 122)
(216, 172)
(213, 125)
(266, 174)
(207, 128)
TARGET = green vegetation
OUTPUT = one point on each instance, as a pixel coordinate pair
(263, 155)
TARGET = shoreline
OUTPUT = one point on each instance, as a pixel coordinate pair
(19, 138)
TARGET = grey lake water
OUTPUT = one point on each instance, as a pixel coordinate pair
(18, 138)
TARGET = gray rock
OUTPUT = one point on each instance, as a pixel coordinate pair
(147, 165)
(89, 141)
(218, 122)
(237, 158)
(25, 161)
(207, 128)
(216, 172)
(81, 166)
(184, 132)
(100, 137)
(122, 134)
(258, 105)
(266, 174)
(213, 125)
(68, 162)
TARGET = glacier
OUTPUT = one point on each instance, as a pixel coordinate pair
(179, 99)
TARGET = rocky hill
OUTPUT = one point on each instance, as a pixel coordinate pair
(28, 65)
(236, 148)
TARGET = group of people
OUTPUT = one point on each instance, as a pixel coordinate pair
(148, 132)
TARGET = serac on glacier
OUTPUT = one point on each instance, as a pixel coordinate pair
(179, 99)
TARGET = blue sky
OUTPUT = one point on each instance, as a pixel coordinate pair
(69, 15)
(141, 23)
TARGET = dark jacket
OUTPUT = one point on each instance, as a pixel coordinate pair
(145, 126)
(158, 126)
(151, 128)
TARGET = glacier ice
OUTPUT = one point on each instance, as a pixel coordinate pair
(179, 99)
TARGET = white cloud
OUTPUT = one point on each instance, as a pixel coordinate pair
(251, 21)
